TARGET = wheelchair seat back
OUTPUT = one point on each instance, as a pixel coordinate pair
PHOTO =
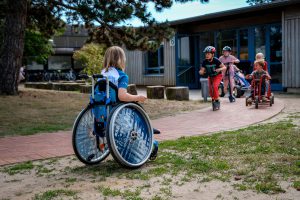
(100, 103)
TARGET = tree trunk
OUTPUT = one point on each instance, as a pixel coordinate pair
(13, 44)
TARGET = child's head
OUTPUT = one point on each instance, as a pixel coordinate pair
(226, 51)
(259, 64)
(209, 52)
(114, 57)
(259, 56)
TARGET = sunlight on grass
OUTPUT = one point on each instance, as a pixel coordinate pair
(36, 111)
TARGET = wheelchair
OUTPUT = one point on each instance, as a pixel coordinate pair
(107, 126)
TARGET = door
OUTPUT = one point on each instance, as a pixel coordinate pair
(268, 41)
(275, 56)
(186, 70)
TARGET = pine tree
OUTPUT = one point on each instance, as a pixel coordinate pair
(106, 20)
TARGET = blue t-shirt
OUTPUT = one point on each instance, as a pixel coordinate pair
(116, 76)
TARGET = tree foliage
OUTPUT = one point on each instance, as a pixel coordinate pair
(255, 2)
(36, 47)
(91, 56)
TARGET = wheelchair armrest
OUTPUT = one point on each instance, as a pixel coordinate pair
(97, 76)
(83, 76)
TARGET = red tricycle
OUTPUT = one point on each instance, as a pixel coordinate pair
(258, 86)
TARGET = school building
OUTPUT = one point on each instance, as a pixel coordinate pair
(273, 29)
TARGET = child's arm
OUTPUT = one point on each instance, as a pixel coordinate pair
(268, 75)
(124, 96)
(235, 60)
(221, 68)
(202, 71)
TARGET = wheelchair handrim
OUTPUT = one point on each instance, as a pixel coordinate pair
(86, 115)
(111, 136)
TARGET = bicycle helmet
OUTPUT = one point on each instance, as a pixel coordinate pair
(226, 48)
(209, 49)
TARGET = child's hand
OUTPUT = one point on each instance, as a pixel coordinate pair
(141, 98)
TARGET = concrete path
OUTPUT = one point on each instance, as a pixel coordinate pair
(198, 122)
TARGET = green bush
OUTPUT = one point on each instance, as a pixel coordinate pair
(91, 56)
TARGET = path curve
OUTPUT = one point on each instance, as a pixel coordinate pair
(231, 116)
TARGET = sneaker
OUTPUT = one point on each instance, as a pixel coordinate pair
(264, 99)
(217, 104)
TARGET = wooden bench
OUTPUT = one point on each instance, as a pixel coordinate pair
(156, 92)
(87, 89)
(39, 85)
(66, 86)
(177, 93)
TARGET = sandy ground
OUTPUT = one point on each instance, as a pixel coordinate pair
(70, 174)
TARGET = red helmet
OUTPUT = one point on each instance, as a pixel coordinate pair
(209, 49)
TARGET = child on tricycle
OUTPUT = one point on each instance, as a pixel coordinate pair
(260, 88)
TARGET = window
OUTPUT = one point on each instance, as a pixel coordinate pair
(59, 62)
(227, 38)
(244, 55)
(260, 40)
(186, 69)
(186, 51)
(206, 39)
(155, 62)
(32, 65)
(275, 43)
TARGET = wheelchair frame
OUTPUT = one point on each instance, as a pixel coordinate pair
(128, 132)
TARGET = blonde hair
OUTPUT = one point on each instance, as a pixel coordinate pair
(260, 62)
(114, 57)
(261, 55)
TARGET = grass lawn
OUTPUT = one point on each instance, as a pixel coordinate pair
(258, 158)
(35, 111)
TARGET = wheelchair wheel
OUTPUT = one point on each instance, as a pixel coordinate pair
(129, 135)
(84, 141)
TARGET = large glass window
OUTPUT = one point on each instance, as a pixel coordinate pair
(32, 65)
(186, 74)
(155, 61)
(186, 50)
(275, 43)
(244, 52)
(59, 62)
(260, 40)
(276, 54)
(206, 39)
(227, 38)
(276, 73)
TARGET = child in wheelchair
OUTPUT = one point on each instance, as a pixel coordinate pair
(114, 66)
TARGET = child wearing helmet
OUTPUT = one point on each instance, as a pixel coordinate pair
(228, 75)
(213, 68)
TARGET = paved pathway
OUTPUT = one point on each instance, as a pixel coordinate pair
(204, 121)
